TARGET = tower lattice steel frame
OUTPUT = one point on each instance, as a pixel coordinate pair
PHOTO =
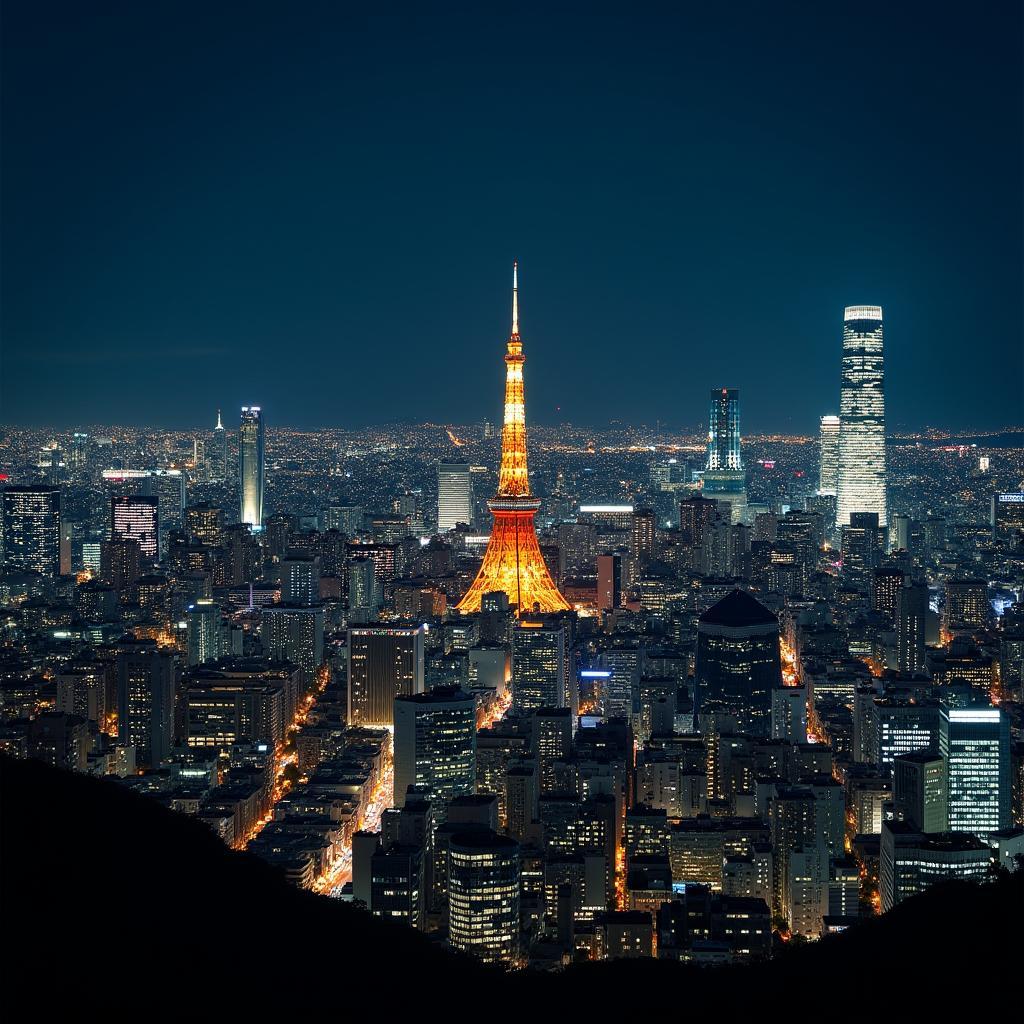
(513, 562)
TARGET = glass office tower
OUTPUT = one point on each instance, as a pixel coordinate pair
(724, 476)
(31, 528)
(724, 429)
(829, 466)
(860, 481)
(975, 742)
(250, 467)
(454, 495)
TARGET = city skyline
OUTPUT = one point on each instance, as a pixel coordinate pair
(680, 667)
(692, 212)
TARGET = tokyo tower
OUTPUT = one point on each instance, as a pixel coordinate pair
(513, 562)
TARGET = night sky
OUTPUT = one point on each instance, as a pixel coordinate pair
(315, 208)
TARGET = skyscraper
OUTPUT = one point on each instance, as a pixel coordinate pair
(724, 429)
(300, 578)
(145, 700)
(724, 476)
(218, 459)
(205, 632)
(31, 528)
(975, 742)
(538, 665)
(861, 478)
(644, 530)
(513, 561)
(859, 546)
(454, 495)
(919, 790)
(250, 467)
(609, 580)
(295, 634)
(383, 663)
(136, 517)
(435, 743)
(829, 455)
(483, 895)
(911, 617)
(738, 661)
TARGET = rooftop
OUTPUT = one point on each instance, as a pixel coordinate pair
(739, 609)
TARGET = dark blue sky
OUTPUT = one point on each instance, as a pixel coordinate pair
(315, 208)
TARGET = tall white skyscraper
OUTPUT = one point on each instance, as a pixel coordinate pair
(829, 467)
(860, 484)
(250, 467)
(454, 495)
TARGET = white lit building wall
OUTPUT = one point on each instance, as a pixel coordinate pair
(829, 464)
(454, 495)
(251, 467)
(861, 476)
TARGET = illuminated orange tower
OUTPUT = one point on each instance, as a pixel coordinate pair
(513, 562)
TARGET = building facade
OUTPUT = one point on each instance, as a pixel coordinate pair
(383, 663)
(861, 476)
(31, 528)
(251, 467)
(454, 495)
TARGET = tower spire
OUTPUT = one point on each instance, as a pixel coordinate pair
(515, 298)
(219, 426)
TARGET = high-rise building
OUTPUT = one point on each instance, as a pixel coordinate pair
(738, 662)
(1006, 515)
(362, 589)
(205, 633)
(967, 604)
(78, 458)
(975, 743)
(829, 455)
(483, 895)
(886, 584)
(120, 563)
(898, 726)
(538, 665)
(724, 429)
(295, 634)
(137, 518)
(609, 580)
(513, 561)
(435, 743)
(200, 466)
(860, 549)
(861, 478)
(167, 486)
(300, 579)
(911, 861)
(251, 467)
(383, 663)
(695, 515)
(145, 700)
(644, 526)
(454, 495)
(919, 791)
(205, 523)
(31, 528)
(724, 476)
(218, 456)
(576, 546)
(911, 620)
